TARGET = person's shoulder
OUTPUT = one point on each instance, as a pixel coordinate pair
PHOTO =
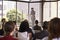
(6, 38)
(22, 32)
(11, 38)
(29, 30)
(39, 26)
(45, 38)
(15, 38)
(56, 38)
(2, 38)
(34, 27)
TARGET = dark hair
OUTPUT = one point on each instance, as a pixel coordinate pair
(3, 19)
(32, 8)
(9, 27)
(45, 25)
(24, 26)
(54, 28)
(36, 21)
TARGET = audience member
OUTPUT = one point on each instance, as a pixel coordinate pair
(53, 29)
(2, 29)
(44, 32)
(25, 33)
(37, 30)
(37, 27)
(9, 31)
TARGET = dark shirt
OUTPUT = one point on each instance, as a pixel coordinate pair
(7, 38)
(36, 27)
(30, 31)
(43, 34)
(1, 32)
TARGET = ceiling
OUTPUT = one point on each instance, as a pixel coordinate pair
(31, 0)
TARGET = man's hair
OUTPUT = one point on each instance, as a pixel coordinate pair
(45, 24)
(36, 21)
(32, 8)
(9, 27)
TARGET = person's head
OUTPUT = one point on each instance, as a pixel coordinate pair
(32, 8)
(36, 22)
(9, 28)
(26, 20)
(24, 26)
(3, 20)
(54, 28)
(45, 25)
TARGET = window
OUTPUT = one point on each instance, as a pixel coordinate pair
(9, 10)
(59, 9)
(49, 11)
(53, 9)
(0, 10)
(36, 7)
(22, 8)
(46, 11)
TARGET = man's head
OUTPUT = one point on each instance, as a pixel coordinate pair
(32, 8)
(3, 20)
(45, 25)
(36, 22)
(9, 27)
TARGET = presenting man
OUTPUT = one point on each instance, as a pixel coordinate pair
(32, 16)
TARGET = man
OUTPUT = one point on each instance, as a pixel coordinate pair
(37, 30)
(32, 16)
(9, 31)
(2, 29)
(37, 27)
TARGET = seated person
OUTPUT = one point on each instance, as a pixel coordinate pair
(24, 31)
(44, 32)
(53, 29)
(36, 28)
(1, 31)
(3, 21)
(9, 31)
